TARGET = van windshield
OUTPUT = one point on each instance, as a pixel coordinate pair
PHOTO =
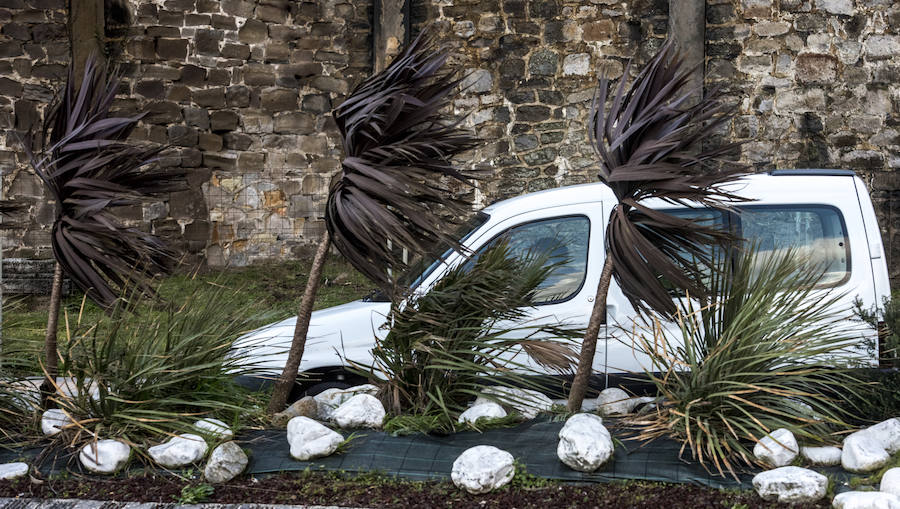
(422, 266)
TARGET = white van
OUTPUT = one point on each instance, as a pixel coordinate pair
(824, 213)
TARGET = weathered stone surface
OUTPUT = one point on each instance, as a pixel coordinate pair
(790, 485)
(486, 410)
(778, 448)
(105, 456)
(226, 462)
(863, 453)
(310, 439)
(330, 399)
(578, 64)
(825, 456)
(10, 471)
(482, 468)
(528, 403)
(179, 451)
(614, 401)
(360, 411)
(866, 500)
(53, 421)
(584, 443)
(214, 428)
(890, 482)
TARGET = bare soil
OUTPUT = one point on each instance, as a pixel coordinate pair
(377, 491)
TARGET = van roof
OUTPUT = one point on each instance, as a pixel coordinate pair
(778, 186)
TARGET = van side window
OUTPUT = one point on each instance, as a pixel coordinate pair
(815, 233)
(565, 239)
(705, 217)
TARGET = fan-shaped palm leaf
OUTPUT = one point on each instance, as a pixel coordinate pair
(392, 191)
(647, 144)
(89, 169)
(398, 147)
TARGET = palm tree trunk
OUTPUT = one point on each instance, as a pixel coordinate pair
(289, 375)
(589, 344)
(50, 349)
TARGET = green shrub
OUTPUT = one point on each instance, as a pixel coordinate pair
(149, 371)
(767, 351)
(466, 331)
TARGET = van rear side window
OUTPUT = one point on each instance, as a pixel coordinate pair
(816, 233)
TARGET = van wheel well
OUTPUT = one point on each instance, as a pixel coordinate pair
(310, 383)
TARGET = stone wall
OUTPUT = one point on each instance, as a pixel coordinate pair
(34, 50)
(243, 89)
(533, 67)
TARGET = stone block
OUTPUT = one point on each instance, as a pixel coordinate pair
(172, 49)
(207, 42)
(279, 99)
(163, 112)
(239, 51)
(543, 63)
(602, 30)
(237, 96)
(532, 113)
(253, 31)
(813, 68)
(197, 117)
(209, 97)
(209, 142)
(257, 75)
(330, 84)
(224, 120)
(294, 123)
(192, 75)
(240, 8)
(272, 13)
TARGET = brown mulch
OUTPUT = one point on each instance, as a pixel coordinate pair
(377, 491)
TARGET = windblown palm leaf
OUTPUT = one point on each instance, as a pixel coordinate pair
(647, 147)
(89, 168)
(398, 144)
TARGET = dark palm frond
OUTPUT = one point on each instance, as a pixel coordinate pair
(647, 147)
(89, 169)
(398, 145)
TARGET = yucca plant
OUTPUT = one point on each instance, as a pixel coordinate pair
(390, 194)
(144, 372)
(89, 168)
(467, 331)
(17, 404)
(648, 147)
(765, 350)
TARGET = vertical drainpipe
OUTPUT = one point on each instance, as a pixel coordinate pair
(687, 27)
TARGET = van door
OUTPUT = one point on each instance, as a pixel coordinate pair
(572, 233)
(827, 235)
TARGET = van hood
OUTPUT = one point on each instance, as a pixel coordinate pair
(336, 333)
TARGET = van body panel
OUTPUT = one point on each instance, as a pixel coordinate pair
(348, 331)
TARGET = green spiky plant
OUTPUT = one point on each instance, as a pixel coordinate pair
(445, 345)
(765, 350)
(390, 193)
(140, 373)
(647, 145)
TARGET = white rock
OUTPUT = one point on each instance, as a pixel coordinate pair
(890, 482)
(226, 462)
(778, 448)
(614, 401)
(53, 420)
(105, 456)
(214, 428)
(577, 64)
(825, 456)
(526, 402)
(482, 468)
(179, 451)
(311, 439)
(863, 453)
(584, 443)
(330, 399)
(790, 485)
(360, 411)
(865, 500)
(488, 410)
(9, 471)
(887, 433)
(844, 7)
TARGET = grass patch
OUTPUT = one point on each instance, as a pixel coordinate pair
(274, 287)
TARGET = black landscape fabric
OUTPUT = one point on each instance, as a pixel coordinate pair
(532, 443)
(422, 457)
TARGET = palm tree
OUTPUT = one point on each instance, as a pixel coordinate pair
(89, 168)
(392, 186)
(647, 146)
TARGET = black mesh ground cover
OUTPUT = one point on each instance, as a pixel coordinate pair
(422, 457)
(532, 443)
